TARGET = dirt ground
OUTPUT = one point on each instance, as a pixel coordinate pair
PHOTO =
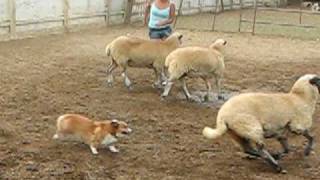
(44, 77)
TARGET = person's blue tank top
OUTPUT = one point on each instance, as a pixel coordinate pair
(157, 15)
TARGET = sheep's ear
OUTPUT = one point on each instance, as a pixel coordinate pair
(315, 81)
(115, 123)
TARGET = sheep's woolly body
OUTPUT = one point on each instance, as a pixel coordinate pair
(195, 61)
(257, 115)
(252, 117)
(206, 63)
(136, 52)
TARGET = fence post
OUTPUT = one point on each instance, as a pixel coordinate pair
(215, 14)
(300, 15)
(222, 6)
(107, 6)
(66, 14)
(128, 11)
(179, 13)
(240, 16)
(254, 17)
(200, 6)
(13, 18)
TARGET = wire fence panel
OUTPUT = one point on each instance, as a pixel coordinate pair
(255, 16)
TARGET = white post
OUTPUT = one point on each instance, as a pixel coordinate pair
(66, 14)
(13, 18)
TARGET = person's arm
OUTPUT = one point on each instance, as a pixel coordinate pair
(147, 13)
(171, 17)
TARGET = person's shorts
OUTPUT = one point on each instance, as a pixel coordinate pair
(160, 33)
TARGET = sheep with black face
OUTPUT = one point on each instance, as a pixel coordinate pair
(250, 118)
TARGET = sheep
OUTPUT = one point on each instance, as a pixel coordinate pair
(128, 51)
(250, 118)
(315, 7)
(193, 61)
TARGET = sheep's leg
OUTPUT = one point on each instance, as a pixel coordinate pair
(310, 143)
(208, 85)
(157, 84)
(284, 143)
(267, 156)
(127, 81)
(245, 144)
(187, 93)
(185, 89)
(163, 76)
(112, 66)
(167, 88)
(218, 85)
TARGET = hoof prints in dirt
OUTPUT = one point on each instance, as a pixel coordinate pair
(212, 100)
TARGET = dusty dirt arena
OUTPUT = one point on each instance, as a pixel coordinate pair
(45, 77)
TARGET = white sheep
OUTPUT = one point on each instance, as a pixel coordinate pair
(193, 61)
(315, 7)
(128, 51)
(250, 118)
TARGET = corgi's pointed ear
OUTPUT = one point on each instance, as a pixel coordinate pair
(115, 123)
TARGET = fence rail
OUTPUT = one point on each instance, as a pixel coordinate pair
(136, 8)
(256, 5)
(12, 22)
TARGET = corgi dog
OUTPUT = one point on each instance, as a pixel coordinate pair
(93, 133)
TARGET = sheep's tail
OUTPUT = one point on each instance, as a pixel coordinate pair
(215, 133)
(108, 49)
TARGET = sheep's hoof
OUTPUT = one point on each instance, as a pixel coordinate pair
(282, 171)
(250, 157)
(157, 86)
(193, 99)
(163, 97)
(277, 156)
(307, 151)
(130, 88)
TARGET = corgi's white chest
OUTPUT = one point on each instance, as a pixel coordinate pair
(109, 139)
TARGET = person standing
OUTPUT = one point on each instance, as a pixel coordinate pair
(159, 16)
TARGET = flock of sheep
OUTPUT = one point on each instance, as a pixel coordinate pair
(313, 5)
(249, 118)
(169, 61)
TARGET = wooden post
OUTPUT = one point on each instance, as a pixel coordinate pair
(222, 5)
(240, 16)
(66, 7)
(231, 4)
(107, 7)
(215, 14)
(128, 11)
(199, 4)
(179, 13)
(254, 17)
(13, 18)
(300, 15)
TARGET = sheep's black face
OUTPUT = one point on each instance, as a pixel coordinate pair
(315, 82)
(225, 43)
